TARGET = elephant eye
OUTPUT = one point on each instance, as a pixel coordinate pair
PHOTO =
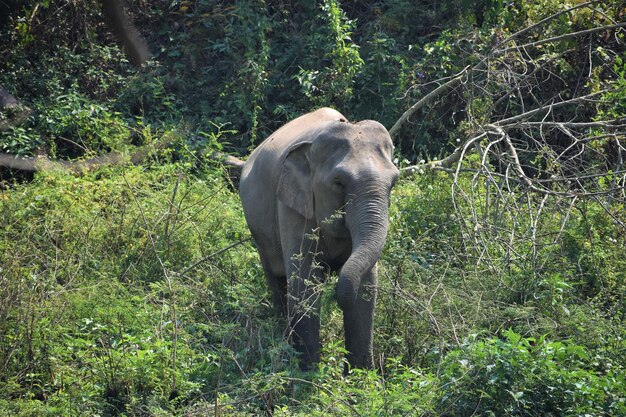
(337, 182)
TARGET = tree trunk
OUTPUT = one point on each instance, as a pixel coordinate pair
(127, 35)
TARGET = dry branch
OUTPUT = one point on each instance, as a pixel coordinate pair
(546, 20)
(560, 38)
(227, 160)
(213, 255)
(427, 99)
(445, 163)
(456, 79)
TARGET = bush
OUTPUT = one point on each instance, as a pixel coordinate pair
(517, 376)
(94, 315)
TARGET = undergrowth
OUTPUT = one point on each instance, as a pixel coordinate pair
(102, 314)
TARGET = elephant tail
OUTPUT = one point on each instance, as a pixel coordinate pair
(233, 167)
(228, 160)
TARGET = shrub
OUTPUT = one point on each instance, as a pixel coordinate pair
(518, 376)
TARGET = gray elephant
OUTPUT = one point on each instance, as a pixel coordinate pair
(316, 195)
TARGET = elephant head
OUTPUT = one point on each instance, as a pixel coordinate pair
(341, 179)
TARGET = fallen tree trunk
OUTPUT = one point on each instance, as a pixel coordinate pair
(43, 163)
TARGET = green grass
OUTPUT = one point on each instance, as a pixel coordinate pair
(98, 319)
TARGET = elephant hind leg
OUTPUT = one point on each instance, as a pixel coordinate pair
(278, 288)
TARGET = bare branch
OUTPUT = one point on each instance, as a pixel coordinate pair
(600, 123)
(127, 34)
(516, 163)
(228, 160)
(427, 99)
(560, 38)
(445, 163)
(453, 82)
(213, 255)
(546, 20)
(548, 108)
(139, 155)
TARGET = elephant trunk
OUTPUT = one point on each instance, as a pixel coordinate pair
(367, 220)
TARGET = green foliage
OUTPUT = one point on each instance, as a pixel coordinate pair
(104, 327)
(331, 44)
(517, 376)
(400, 390)
(19, 140)
(92, 127)
(614, 102)
(252, 65)
(72, 125)
(115, 296)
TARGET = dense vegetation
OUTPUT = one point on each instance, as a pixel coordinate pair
(134, 290)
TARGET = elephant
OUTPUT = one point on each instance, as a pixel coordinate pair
(315, 195)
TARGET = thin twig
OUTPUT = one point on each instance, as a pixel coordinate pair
(427, 99)
(548, 108)
(168, 282)
(560, 38)
(544, 21)
(214, 254)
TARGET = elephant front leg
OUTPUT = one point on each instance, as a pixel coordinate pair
(303, 312)
(299, 248)
(358, 323)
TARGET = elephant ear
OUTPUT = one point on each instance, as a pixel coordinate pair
(294, 184)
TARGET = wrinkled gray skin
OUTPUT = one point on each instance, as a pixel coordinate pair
(312, 168)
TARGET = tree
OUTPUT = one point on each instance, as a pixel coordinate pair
(126, 33)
